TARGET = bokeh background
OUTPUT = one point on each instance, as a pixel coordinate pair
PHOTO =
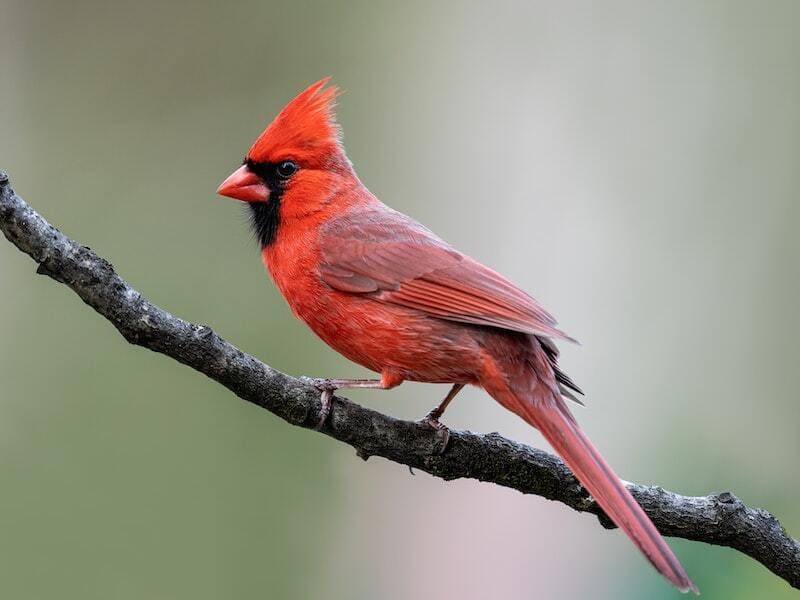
(634, 165)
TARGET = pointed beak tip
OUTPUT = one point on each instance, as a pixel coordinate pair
(244, 185)
(225, 189)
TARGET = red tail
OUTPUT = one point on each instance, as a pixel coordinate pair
(553, 419)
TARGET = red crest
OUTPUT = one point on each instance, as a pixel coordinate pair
(304, 131)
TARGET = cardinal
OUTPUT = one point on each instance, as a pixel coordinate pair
(389, 294)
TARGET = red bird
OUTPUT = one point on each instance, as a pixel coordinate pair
(392, 296)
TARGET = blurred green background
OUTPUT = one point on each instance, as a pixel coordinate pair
(634, 165)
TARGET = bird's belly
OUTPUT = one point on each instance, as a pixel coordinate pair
(379, 336)
(383, 337)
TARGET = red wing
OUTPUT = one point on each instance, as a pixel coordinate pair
(390, 257)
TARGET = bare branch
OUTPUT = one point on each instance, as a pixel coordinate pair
(720, 519)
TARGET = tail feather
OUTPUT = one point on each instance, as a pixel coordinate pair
(558, 426)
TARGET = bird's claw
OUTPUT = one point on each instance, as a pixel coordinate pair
(327, 387)
(325, 410)
(323, 385)
(430, 420)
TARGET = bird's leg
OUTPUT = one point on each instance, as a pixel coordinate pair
(329, 386)
(432, 418)
(336, 384)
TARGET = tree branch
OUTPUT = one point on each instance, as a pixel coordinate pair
(720, 519)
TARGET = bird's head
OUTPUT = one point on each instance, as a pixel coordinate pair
(295, 165)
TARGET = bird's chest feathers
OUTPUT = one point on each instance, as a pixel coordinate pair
(292, 263)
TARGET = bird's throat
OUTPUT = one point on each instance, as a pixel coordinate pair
(264, 219)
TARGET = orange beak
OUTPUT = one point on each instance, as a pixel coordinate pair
(244, 185)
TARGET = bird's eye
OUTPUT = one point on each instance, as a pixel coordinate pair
(286, 169)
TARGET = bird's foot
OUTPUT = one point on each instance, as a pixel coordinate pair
(323, 384)
(431, 420)
(327, 387)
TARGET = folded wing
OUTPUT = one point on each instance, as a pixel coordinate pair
(391, 258)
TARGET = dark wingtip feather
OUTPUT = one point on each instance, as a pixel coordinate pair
(565, 380)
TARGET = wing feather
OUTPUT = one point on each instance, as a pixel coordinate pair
(391, 258)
